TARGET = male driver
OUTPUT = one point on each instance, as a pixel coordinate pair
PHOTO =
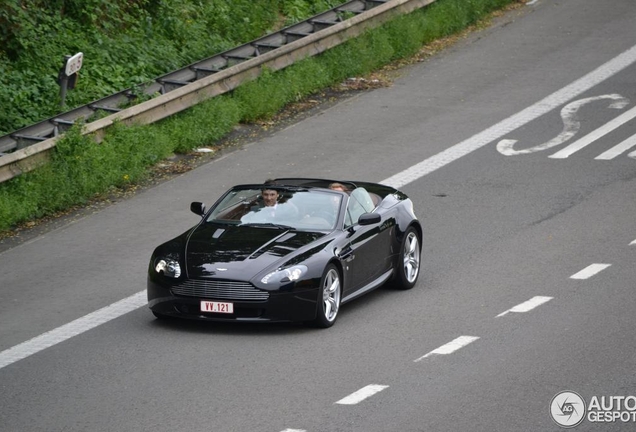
(270, 197)
(272, 209)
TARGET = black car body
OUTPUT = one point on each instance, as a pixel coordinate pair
(298, 260)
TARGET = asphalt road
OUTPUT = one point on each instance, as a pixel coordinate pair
(528, 277)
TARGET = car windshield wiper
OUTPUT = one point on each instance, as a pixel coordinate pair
(268, 225)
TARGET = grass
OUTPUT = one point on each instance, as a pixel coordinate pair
(81, 170)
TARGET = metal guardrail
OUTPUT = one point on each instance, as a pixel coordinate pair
(29, 147)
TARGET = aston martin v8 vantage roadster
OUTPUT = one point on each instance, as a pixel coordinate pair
(290, 249)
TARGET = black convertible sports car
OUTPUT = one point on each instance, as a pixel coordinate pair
(292, 249)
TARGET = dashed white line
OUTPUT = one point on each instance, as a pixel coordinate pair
(450, 347)
(294, 430)
(362, 394)
(590, 271)
(528, 305)
(633, 243)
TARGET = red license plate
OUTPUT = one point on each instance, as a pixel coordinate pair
(217, 307)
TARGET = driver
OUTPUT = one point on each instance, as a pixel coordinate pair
(272, 209)
(270, 197)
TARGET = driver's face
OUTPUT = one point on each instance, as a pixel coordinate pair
(269, 197)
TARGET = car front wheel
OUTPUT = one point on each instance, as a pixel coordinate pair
(328, 298)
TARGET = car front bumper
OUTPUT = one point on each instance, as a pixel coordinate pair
(298, 304)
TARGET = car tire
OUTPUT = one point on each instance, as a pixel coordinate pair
(329, 297)
(409, 261)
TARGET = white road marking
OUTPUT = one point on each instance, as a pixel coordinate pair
(590, 271)
(450, 347)
(633, 243)
(362, 394)
(405, 177)
(571, 125)
(527, 306)
(506, 126)
(294, 430)
(618, 149)
(73, 328)
(594, 135)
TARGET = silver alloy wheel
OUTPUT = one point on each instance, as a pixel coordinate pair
(411, 257)
(331, 294)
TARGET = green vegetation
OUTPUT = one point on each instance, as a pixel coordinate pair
(81, 169)
(125, 43)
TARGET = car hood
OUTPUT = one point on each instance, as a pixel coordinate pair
(241, 252)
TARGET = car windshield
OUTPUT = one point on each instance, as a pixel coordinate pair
(279, 208)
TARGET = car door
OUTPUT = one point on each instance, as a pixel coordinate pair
(368, 248)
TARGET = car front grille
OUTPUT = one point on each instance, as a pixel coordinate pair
(220, 289)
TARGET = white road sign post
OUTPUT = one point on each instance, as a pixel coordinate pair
(74, 64)
(68, 74)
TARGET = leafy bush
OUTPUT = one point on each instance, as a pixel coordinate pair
(125, 42)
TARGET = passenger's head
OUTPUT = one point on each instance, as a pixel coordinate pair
(338, 186)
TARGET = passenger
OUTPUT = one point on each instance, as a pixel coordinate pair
(338, 186)
(330, 214)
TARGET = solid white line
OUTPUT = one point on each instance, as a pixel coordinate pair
(450, 347)
(405, 177)
(362, 394)
(71, 329)
(527, 306)
(590, 271)
(594, 135)
(618, 149)
(506, 126)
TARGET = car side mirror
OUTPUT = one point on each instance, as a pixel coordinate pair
(369, 219)
(197, 208)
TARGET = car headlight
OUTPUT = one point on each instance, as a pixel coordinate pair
(168, 267)
(283, 276)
